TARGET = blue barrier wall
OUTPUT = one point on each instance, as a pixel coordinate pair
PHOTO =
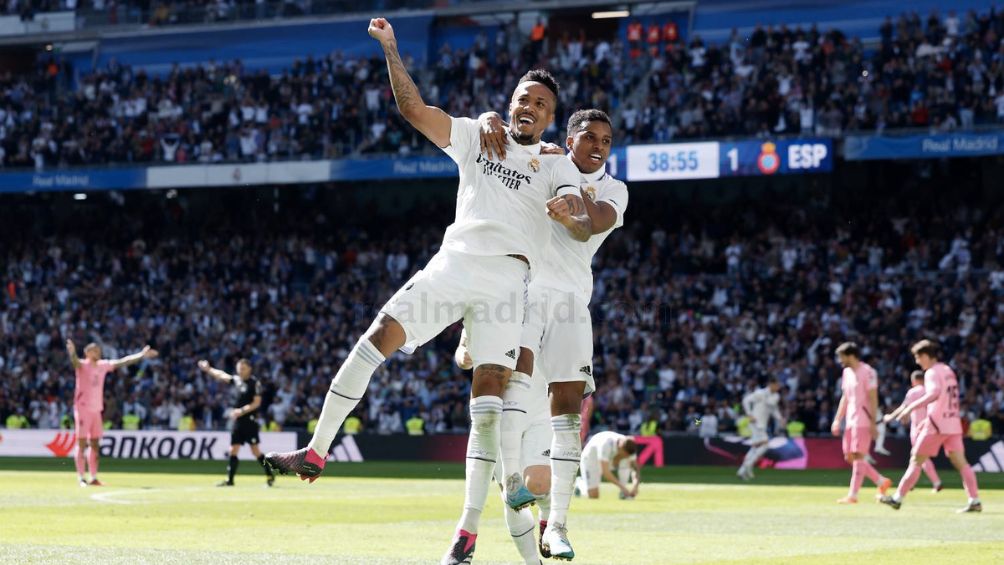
(272, 48)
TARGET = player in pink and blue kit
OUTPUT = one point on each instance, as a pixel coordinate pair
(941, 428)
(917, 418)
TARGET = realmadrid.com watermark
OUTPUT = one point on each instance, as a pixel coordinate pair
(560, 308)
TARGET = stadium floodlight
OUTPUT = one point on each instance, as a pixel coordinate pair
(80, 196)
(611, 14)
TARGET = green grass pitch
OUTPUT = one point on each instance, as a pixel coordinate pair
(376, 513)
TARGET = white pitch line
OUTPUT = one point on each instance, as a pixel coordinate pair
(106, 496)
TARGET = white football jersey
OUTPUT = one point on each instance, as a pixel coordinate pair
(762, 404)
(603, 445)
(569, 264)
(501, 205)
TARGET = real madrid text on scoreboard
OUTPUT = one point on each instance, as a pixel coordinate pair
(714, 159)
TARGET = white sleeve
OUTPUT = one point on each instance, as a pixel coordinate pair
(464, 138)
(748, 402)
(617, 197)
(565, 179)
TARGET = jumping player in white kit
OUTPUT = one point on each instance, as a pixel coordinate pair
(480, 274)
(760, 406)
(557, 349)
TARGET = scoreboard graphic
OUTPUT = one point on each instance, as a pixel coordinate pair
(716, 159)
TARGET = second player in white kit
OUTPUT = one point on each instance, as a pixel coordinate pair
(760, 406)
(557, 349)
(605, 453)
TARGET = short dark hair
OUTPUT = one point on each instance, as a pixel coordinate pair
(630, 447)
(543, 77)
(244, 360)
(926, 347)
(577, 121)
(849, 348)
(917, 376)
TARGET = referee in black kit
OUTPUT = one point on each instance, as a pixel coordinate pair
(243, 415)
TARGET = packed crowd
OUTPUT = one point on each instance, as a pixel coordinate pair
(694, 304)
(326, 107)
(942, 73)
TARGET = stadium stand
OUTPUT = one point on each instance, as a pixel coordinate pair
(940, 74)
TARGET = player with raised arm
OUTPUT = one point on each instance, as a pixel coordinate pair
(858, 407)
(479, 275)
(247, 392)
(89, 401)
(760, 405)
(917, 417)
(557, 340)
(941, 427)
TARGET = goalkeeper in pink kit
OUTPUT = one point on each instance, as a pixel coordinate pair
(941, 428)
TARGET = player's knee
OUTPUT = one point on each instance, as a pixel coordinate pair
(566, 397)
(489, 380)
(538, 481)
(524, 364)
(386, 334)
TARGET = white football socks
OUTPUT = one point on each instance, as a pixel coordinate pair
(521, 528)
(566, 451)
(347, 389)
(514, 418)
(482, 453)
(543, 506)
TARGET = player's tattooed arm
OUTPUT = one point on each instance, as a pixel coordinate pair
(71, 350)
(569, 211)
(431, 121)
(602, 214)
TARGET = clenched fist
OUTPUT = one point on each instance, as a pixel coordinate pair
(381, 30)
(559, 209)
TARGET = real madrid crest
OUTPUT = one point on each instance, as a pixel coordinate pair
(590, 192)
(534, 164)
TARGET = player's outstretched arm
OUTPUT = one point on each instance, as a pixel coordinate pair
(431, 121)
(71, 350)
(145, 353)
(217, 374)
